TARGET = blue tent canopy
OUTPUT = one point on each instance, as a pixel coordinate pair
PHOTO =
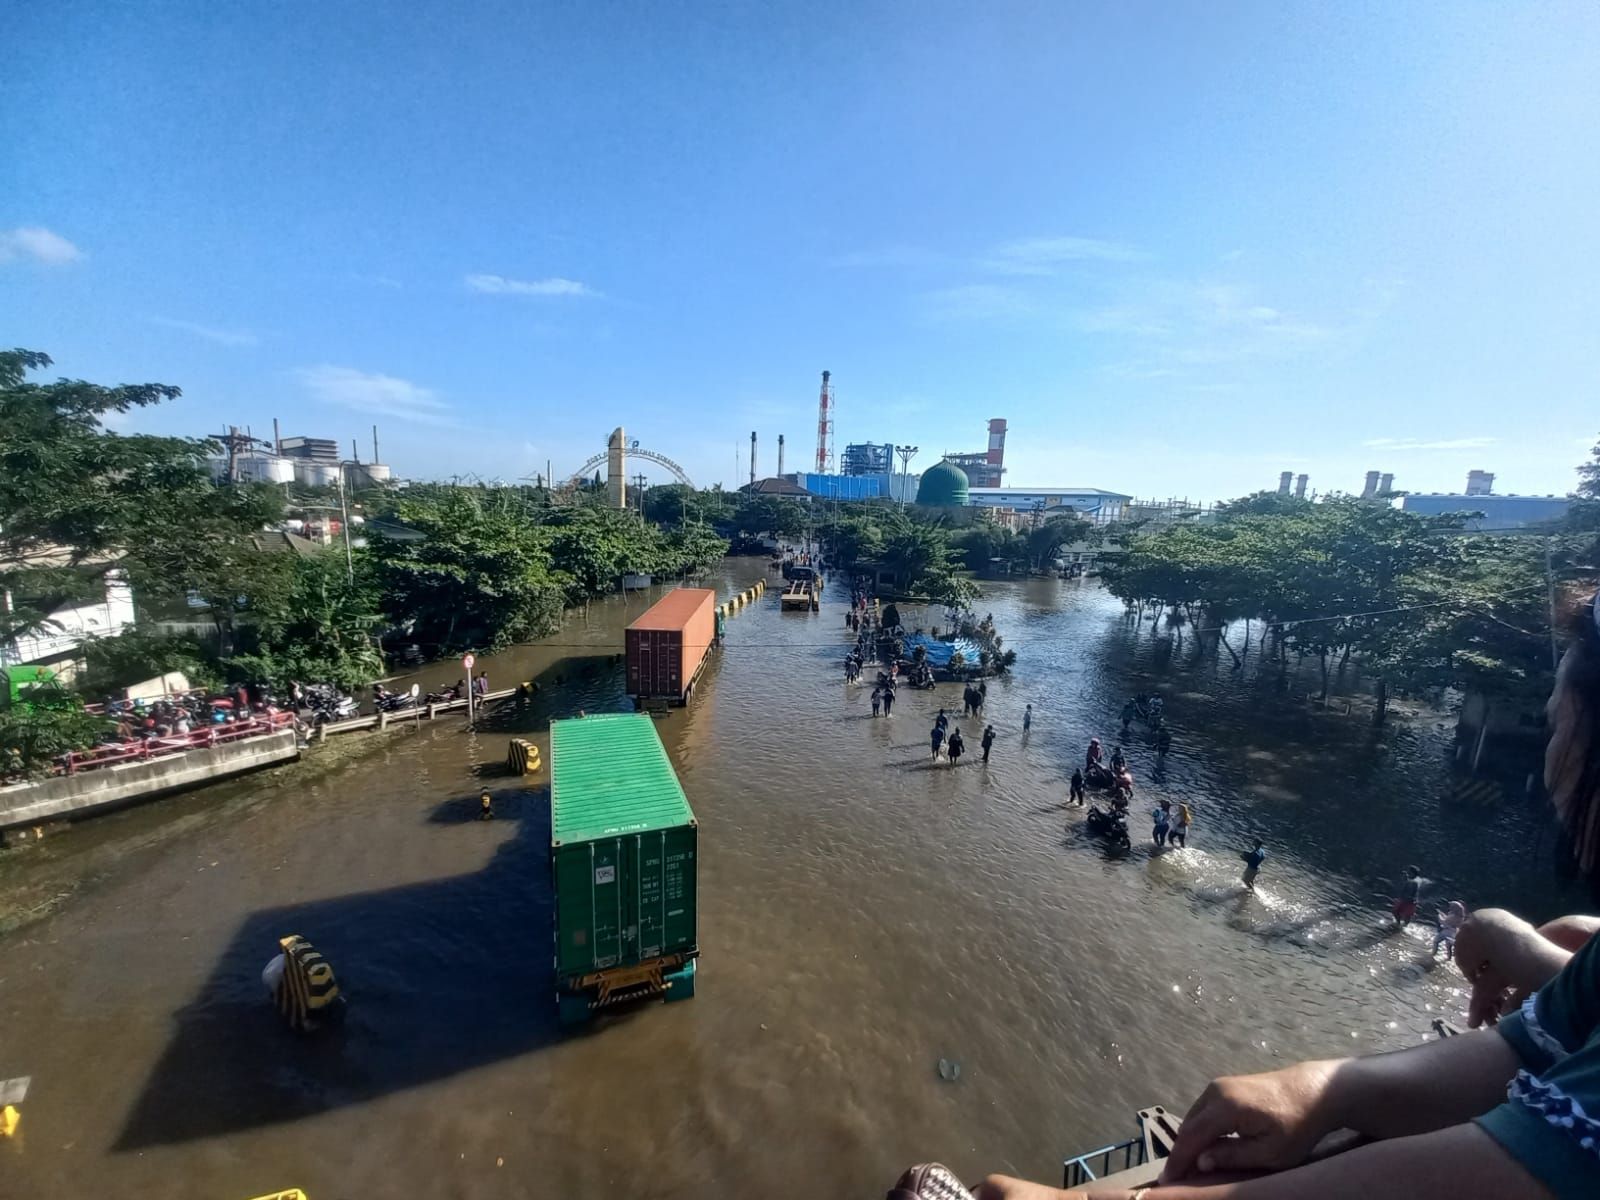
(939, 652)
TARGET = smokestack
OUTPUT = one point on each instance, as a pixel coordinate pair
(780, 455)
(1300, 482)
(1284, 479)
(1386, 482)
(277, 442)
(1371, 488)
(997, 441)
(355, 455)
(752, 456)
(375, 457)
(1480, 483)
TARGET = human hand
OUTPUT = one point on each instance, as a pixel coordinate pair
(1254, 1122)
(1003, 1187)
(1504, 959)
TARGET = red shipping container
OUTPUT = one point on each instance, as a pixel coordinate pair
(669, 644)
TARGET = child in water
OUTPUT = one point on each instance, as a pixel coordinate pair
(877, 700)
(1450, 922)
(1252, 864)
(1405, 905)
(1027, 718)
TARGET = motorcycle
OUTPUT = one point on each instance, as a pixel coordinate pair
(1110, 824)
(386, 701)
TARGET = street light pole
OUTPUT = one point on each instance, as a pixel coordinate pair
(906, 453)
(344, 514)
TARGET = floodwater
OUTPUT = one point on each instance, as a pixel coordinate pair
(865, 913)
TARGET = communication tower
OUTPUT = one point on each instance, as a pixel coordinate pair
(825, 428)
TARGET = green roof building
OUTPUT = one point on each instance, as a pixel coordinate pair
(943, 485)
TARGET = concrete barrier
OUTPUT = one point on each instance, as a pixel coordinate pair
(73, 796)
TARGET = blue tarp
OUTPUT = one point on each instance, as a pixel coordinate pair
(939, 652)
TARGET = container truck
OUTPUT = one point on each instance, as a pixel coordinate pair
(669, 645)
(623, 862)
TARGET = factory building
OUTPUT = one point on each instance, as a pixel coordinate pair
(1093, 504)
(1500, 514)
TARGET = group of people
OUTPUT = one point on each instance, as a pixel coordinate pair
(972, 699)
(941, 736)
(182, 714)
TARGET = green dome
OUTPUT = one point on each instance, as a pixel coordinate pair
(944, 484)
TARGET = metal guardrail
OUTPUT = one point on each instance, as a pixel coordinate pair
(176, 743)
(419, 712)
(1076, 1172)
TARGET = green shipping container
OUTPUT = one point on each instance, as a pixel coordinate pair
(623, 848)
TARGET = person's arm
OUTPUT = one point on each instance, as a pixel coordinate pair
(1458, 1163)
(1271, 1121)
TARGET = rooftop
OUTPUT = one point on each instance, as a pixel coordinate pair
(609, 776)
(1016, 490)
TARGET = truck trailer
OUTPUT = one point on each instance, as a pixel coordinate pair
(669, 646)
(624, 848)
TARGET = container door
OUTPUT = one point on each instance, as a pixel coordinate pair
(679, 889)
(643, 666)
(574, 911)
(672, 659)
(605, 883)
(652, 895)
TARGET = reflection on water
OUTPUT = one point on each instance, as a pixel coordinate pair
(865, 914)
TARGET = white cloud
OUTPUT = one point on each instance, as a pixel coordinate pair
(223, 337)
(1042, 255)
(499, 285)
(39, 244)
(1463, 443)
(370, 392)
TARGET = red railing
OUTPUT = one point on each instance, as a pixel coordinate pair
(144, 749)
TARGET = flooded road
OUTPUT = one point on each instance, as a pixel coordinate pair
(864, 914)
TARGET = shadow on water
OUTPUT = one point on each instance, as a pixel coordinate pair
(441, 977)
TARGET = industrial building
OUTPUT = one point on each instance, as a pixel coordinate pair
(1093, 504)
(867, 458)
(1498, 514)
(984, 468)
(313, 462)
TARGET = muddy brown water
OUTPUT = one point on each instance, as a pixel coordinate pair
(865, 913)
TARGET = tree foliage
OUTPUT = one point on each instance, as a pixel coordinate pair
(1423, 603)
(72, 494)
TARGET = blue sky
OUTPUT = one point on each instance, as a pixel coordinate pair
(1180, 247)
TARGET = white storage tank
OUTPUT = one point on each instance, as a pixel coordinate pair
(317, 474)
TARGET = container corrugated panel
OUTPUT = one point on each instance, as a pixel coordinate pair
(624, 846)
(666, 646)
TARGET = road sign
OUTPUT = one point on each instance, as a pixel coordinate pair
(467, 661)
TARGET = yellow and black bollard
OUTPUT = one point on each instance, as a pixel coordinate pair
(522, 757)
(305, 990)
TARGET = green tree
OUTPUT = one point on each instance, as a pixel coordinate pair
(1045, 542)
(480, 576)
(200, 541)
(72, 493)
(319, 630)
(30, 740)
(112, 664)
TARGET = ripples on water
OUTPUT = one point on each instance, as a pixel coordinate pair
(865, 914)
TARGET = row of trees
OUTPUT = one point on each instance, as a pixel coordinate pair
(79, 500)
(498, 565)
(1421, 602)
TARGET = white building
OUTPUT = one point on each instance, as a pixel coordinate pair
(107, 616)
(1094, 504)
